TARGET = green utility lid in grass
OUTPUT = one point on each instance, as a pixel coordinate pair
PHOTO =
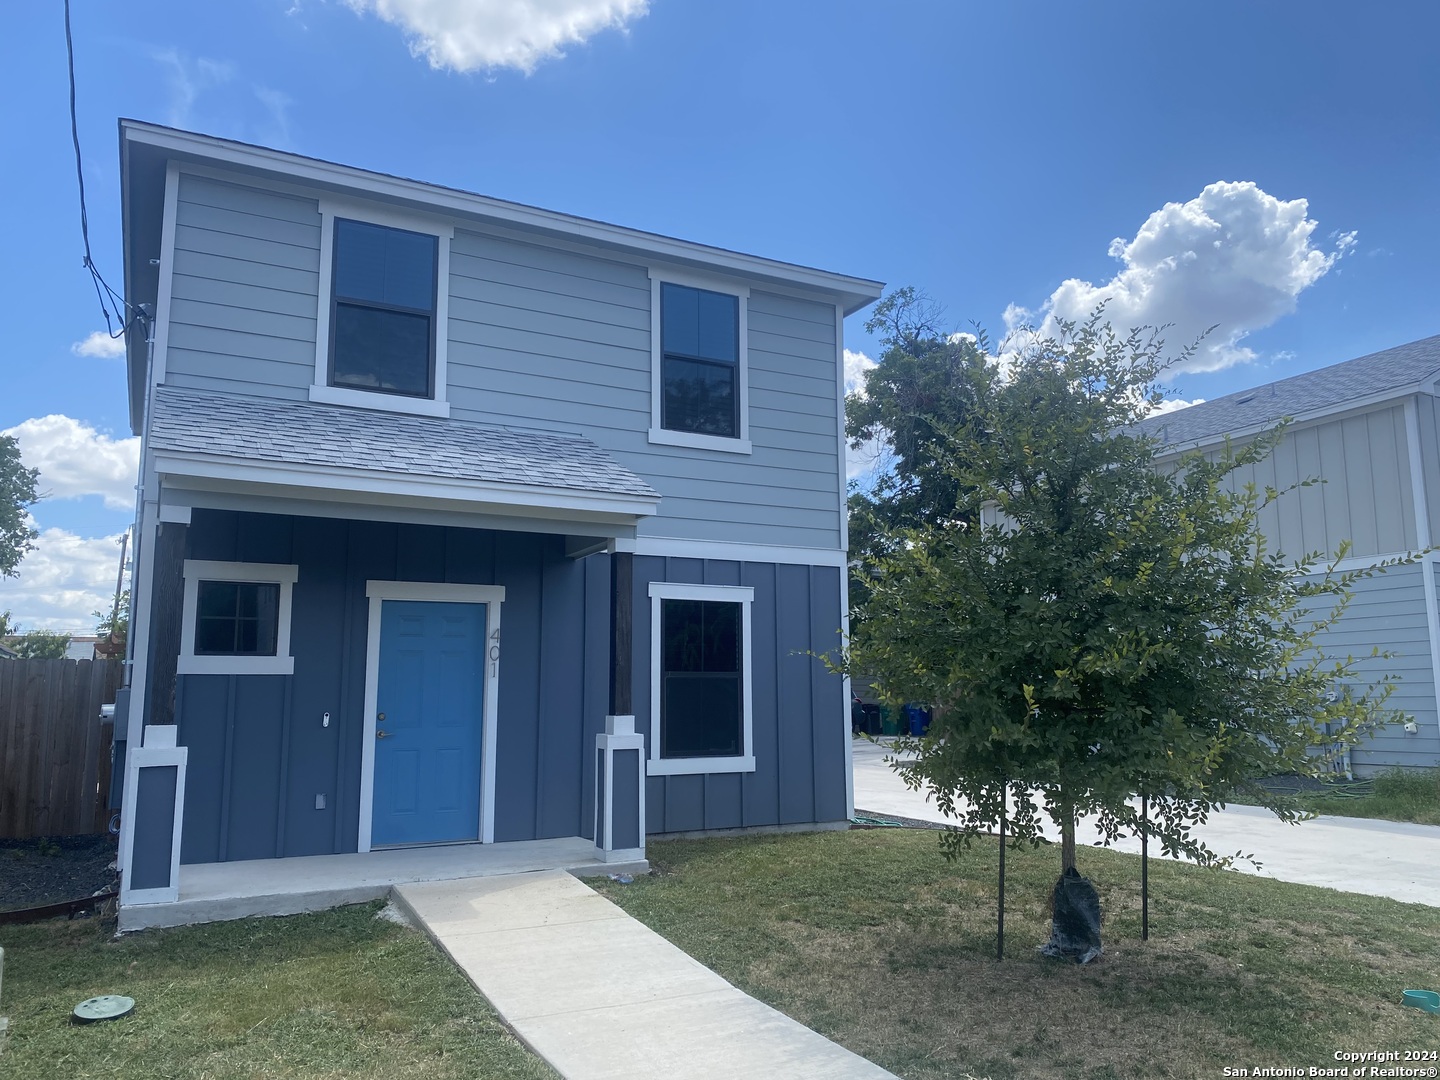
(104, 1007)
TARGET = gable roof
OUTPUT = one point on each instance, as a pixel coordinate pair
(1394, 372)
(198, 426)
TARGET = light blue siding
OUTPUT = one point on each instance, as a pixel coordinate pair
(1388, 613)
(537, 337)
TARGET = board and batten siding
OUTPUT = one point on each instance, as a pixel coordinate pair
(1365, 497)
(259, 754)
(1387, 612)
(539, 337)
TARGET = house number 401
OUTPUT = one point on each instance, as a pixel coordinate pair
(494, 651)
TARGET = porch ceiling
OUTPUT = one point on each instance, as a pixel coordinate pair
(230, 442)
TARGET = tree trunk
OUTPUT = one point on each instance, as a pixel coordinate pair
(1067, 840)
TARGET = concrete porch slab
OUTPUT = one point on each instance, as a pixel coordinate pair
(215, 892)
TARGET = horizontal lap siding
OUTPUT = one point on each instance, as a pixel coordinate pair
(537, 337)
(553, 338)
(1388, 613)
(244, 290)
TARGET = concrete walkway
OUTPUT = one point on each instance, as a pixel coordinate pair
(600, 996)
(1379, 858)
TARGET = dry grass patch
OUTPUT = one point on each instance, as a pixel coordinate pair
(331, 995)
(873, 939)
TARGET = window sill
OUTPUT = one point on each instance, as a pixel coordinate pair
(343, 395)
(235, 665)
(694, 766)
(699, 442)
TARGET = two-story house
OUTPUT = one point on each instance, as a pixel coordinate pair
(1368, 430)
(465, 522)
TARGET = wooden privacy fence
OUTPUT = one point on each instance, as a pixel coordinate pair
(54, 749)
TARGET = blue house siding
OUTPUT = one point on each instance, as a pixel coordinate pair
(259, 753)
(800, 724)
(538, 336)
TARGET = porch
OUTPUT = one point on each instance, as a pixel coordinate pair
(214, 892)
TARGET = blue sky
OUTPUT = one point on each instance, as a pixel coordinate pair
(1270, 167)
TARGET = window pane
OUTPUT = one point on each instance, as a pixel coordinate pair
(700, 716)
(382, 350)
(680, 319)
(719, 326)
(722, 637)
(699, 396)
(383, 265)
(683, 626)
(700, 679)
(700, 323)
(216, 599)
(237, 618)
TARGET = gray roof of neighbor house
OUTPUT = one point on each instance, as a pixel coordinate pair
(306, 433)
(1367, 378)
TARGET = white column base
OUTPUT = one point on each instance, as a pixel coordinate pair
(619, 824)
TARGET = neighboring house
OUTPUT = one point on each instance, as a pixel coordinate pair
(81, 647)
(378, 413)
(1368, 429)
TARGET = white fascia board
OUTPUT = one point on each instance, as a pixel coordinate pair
(425, 488)
(1298, 420)
(855, 292)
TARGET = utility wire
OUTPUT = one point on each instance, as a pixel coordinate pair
(120, 303)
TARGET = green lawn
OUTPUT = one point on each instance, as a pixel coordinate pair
(337, 994)
(873, 939)
(1395, 795)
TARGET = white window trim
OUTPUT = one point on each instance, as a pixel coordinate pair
(320, 389)
(660, 276)
(198, 570)
(733, 594)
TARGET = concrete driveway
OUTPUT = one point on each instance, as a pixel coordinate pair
(1380, 858)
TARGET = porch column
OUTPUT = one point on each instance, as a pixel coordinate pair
(153, 794)
(620, 750)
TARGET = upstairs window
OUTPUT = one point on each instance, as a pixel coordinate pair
(383, 309)
(700, 372)
(699, 387)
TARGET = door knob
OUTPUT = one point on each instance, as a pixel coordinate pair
(382, 734)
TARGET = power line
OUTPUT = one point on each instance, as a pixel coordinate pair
(120, 303)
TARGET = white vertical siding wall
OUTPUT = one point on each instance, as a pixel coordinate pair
(1366, 495)
(539, 337)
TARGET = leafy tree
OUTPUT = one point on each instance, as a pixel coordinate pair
(922, 386)
(41, 645)
(114, 626)
(17, 493)
(5, 628)
(1088, 626)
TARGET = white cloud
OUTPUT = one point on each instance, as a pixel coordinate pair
(100, 344)
(1170, 405)
(190, 77)
(75, 460)
(62, 581)
(474, 35)
(856, 364)
(1233, 257)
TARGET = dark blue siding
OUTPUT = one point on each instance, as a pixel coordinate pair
(260, 753)
(154, 827)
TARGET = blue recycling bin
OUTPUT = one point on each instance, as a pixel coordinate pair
(919, 718)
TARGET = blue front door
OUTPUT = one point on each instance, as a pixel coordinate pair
(428, 723)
